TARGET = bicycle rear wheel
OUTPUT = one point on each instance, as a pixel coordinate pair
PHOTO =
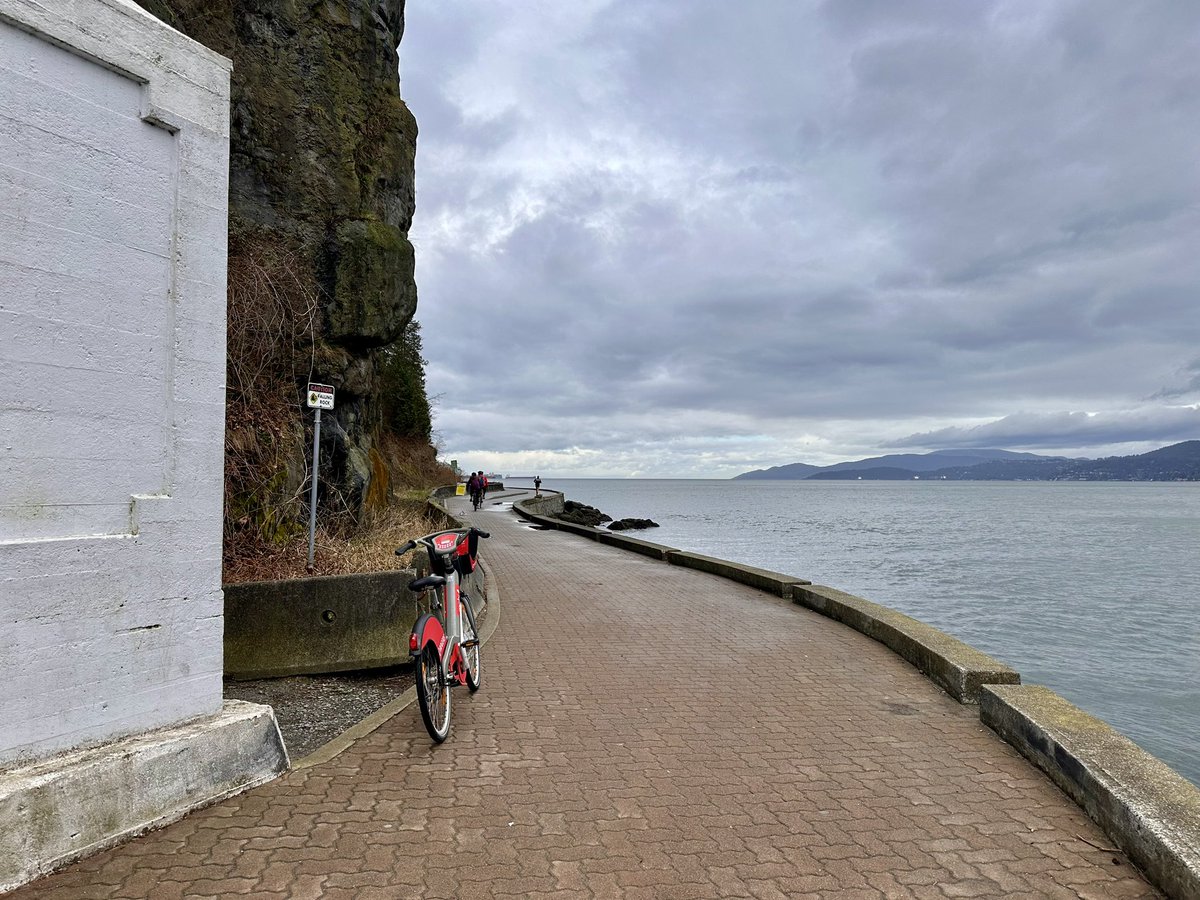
(471, 649)
(433, 694)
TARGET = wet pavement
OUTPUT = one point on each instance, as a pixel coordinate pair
(643, 730)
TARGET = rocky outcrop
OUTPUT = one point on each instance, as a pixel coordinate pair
(322, 153)
(581, 514)
(632, 524)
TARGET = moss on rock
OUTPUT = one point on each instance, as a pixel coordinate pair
(322, 149)
(372, 295)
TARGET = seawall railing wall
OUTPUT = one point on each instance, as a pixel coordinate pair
(1150, 811)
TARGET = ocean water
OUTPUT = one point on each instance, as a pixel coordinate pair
(1089, 588)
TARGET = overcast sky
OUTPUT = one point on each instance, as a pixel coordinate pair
(692, 238)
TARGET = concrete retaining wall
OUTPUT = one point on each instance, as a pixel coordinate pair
(336, 623)
(311, 625)
(763, 579)
(635, 545)
(549, 504)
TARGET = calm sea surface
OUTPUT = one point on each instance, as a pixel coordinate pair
(1088, 588)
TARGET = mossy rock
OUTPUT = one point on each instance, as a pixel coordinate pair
(322, 149)
(373, 293)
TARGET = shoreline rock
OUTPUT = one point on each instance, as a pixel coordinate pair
(581, 514)
(632, 524)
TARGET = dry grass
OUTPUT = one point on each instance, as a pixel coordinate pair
(274, 345)
(413, 464)
(371, 548)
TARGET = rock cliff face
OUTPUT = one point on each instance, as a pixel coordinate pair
(321, 185)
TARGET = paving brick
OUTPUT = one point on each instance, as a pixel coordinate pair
(643, 730)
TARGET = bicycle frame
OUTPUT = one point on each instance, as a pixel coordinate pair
(446, 635)
(445, 632)
(443, 652)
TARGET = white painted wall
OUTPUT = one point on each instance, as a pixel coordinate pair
(113, 211)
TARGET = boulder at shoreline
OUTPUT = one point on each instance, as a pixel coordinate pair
(631, 524)
(581, 514)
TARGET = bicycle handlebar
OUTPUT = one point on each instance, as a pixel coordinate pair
(428, 538)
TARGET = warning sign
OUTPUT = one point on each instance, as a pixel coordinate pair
(320, 396)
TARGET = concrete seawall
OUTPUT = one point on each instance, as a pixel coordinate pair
(1149, 811)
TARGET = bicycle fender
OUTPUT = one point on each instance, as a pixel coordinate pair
(428, 629)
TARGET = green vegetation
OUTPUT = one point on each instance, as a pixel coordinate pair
(405, 403)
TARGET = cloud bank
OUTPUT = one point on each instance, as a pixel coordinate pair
(693, 239)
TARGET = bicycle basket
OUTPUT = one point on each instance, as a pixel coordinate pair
(465, 554)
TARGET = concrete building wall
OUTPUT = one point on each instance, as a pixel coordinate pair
(113, 212)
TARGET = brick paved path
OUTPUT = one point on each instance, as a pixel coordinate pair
(643, 731)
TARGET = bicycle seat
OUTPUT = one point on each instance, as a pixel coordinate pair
(424, 584)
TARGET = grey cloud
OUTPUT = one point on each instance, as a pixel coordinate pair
(804, 214)
(1067, 429)
(860, 18)
(1188, 384)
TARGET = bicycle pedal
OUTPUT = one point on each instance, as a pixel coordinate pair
(467, 645)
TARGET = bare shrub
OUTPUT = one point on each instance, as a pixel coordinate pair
(274, 345)
(274, 313)
(370, 548)
(273, 321)
(413, 465)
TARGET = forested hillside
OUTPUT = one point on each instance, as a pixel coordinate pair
(1178, 462)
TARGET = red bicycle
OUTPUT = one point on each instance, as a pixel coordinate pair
(444, 643)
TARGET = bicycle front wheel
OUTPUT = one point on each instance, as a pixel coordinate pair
(471, 649)
(433, 694)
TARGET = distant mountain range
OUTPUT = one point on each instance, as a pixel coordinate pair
(1178, 462)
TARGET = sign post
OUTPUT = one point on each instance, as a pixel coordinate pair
(320, 396)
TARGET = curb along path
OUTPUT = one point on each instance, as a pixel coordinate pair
(643, 731)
